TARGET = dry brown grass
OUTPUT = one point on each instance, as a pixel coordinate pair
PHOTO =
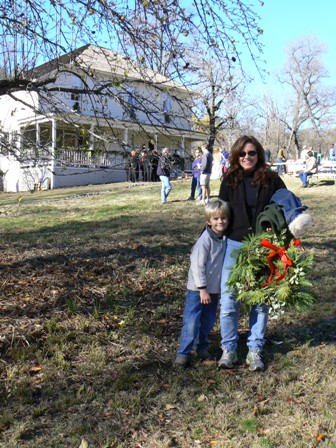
(92, 291)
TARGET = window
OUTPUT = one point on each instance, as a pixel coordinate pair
(167, 106)
(131, 103)
(75, 98)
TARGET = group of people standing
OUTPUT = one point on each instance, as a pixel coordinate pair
(202, 169)
(246, 189)
(142, 165)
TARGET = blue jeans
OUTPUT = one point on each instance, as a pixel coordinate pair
(229, 311)
(195, 182)
(198, 321)
(166, 187)
(303, 175)
(280, 168)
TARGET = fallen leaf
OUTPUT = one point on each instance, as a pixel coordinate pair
(292, 401)
(38, 379)
(35, 369)
(277, 342)
(262, 431)
(201, 398)
(209, 362)
(170, 406)
(229, 372)
(84, 444)
(320, 437)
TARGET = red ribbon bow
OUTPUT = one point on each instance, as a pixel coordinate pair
(277, 253)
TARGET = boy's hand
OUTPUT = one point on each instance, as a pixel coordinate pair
(205, 297)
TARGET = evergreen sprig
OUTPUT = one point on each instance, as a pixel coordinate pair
(251, 272)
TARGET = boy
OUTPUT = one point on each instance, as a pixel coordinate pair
(203, 286)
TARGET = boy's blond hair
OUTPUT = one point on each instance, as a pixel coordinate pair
(217, 207)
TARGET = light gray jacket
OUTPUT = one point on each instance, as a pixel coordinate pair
(311, 164)
(206, 264)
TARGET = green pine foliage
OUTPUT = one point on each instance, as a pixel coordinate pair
(251, 272)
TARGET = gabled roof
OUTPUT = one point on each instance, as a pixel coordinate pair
(95, 59)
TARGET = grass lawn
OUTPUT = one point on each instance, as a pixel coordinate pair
(92, 292)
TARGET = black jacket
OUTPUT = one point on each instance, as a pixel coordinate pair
(164, 166)
(239, 224)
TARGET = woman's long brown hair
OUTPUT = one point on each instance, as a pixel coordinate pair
(235, 173)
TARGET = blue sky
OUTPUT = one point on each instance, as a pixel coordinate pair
(283, 21)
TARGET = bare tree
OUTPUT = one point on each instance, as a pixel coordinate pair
(157, 35)
(154, 33)
(309, 101)
(220, 101)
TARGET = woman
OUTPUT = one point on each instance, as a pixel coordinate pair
(163, 171)
(247, 186)
(196, 172)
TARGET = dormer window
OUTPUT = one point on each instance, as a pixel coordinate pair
(167, 106)
(131, 103)
(75, 98)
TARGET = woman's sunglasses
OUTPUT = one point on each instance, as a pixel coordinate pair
(249, 153)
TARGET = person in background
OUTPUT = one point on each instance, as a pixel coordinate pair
(248, 187)
(268, 157)
(304, 154)
(206, 169)
(332, 153)
(196, 174)
(133, 167)
(217, 168)
(176, 159)
(144, 165)
(225, 156)
(281, 158)
(154, 160)
(310, 169)
(163, 171)
(203, 286)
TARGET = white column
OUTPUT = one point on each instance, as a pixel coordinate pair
(182, 145)
(38, 133)
(126, 137)
(92, 137)
(53, 152)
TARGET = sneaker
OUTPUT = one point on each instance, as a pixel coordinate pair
(205, 355)
(253, 360)
(181, 362)
(190, 198)
(228, 359)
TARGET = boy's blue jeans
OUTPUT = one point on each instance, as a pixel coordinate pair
(198, 321)
(229, 310)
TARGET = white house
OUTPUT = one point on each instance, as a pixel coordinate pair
(91, 107)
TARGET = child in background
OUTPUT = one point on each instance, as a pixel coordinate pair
(196, 181)
(203, 286)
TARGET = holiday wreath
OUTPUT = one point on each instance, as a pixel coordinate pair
(272, 271)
